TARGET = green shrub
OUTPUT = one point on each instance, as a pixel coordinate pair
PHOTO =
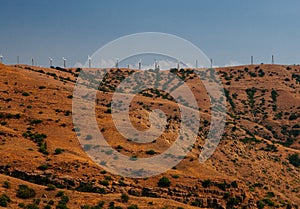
(260, 204)
(150, 152)
(234, 184)
(64, 199)
(206, 183)
(26, 94)
(104, 182)
(294, 160)
(6, 184)
(51, 202)
(4, 200)
(293, 116)
(89, 137)
(25, 192)
(164, 182)
(43, 167)
(35, 121)
(133, 207)
(223, 186)
(124, 197)
(50, 187)
(108, 110)
(58, 151)
(59, 194)
(32, 206)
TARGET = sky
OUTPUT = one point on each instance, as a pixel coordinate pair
(228, 31)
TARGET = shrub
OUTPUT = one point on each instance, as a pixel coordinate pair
(222, 186)
(6, 184)
(25, 192)
(26, 94)
(35, 121)
(104, 182)
(43, 167)
(206, 183)
(293, 116)
(4, 200)
(234, 184)
(108, 110)
(164, 182)
(58, 151)
(31, 206)
(260, 204)
(294, 160)
(124, 197)
(150, 152)
(88, 137)
(42, 87)
(50, 187)
(133, 207)
(51, 202)
(64, 199)
(60, 194)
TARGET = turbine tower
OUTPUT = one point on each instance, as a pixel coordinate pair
(117, 63)
(251, 60)
(178, 64)
(140, 64)
(50, 61)
(211, 62)
(64, 61)
(32, 61)
(196, 63)
(272, 59)
(1, 58)
(90, 61)
(155, 64)
(18, 60)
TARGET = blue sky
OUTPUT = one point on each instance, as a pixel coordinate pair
(229, 31)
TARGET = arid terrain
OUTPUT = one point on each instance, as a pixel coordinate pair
(256, 164)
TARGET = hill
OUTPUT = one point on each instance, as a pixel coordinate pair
(256, 164)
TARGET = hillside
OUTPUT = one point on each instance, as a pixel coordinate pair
(256, 164)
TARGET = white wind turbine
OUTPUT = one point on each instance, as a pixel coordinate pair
(50, 61)
(90, 61)
(64, 61)
(117, 63)
(140, 64)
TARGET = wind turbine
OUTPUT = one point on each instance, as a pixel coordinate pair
(140, 64)
(178, 65)
(1, 58)
(32, 61)
(117, 63)
(64, 61)
(90, 61)
(50, 61)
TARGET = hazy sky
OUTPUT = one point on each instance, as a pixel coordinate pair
(229, 31)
